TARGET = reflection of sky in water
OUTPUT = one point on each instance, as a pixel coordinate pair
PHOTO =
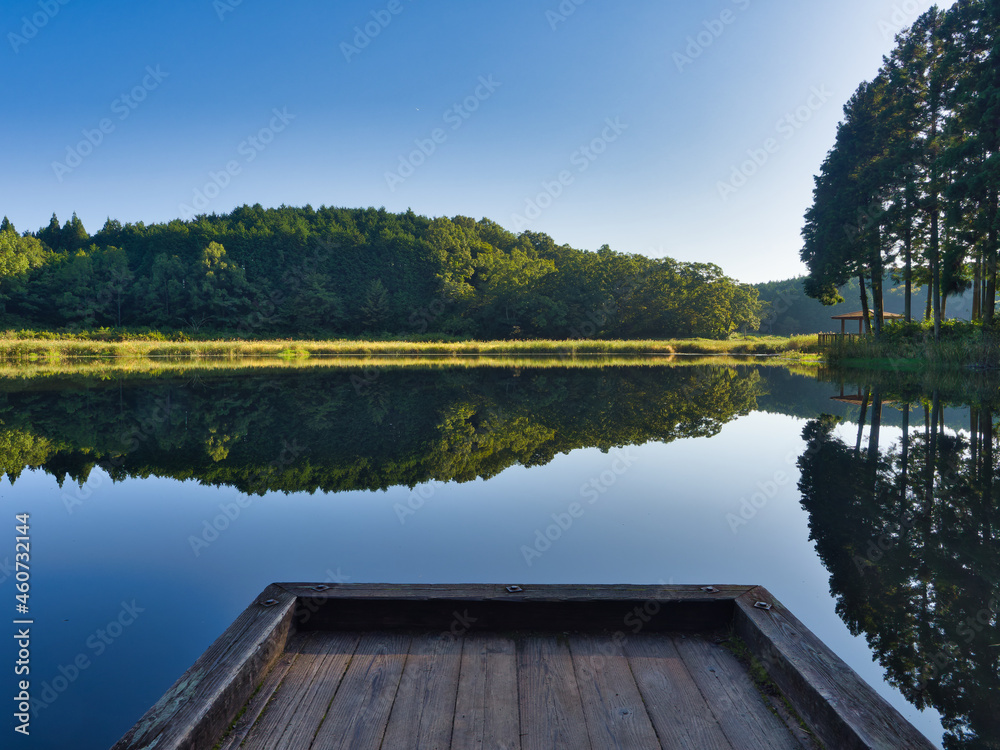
(664, 518)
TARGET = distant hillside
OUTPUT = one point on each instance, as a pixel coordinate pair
(336, 271)
(788, 311)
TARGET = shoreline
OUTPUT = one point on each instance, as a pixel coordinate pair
(56, 347)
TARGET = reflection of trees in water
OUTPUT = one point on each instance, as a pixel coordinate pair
(908, 535)
(332, 431)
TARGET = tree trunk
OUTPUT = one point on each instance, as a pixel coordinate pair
(908, 268)
(877, 300)
(977, 289)
(936, 269)
(864, 303)
(990, 251)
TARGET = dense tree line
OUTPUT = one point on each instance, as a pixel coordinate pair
(331, 271)
(911, 184)
(787, 310)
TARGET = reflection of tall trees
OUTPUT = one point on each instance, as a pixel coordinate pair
(348, 429)
(908, 537)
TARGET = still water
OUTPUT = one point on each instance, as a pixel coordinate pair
(159, 507)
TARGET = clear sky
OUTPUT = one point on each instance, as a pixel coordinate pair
(591, 120)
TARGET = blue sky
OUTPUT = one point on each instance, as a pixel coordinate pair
(593, 121)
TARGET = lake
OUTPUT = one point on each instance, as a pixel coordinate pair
(160, 505)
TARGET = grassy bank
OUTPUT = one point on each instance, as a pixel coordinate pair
(20, 346)
(911, 347)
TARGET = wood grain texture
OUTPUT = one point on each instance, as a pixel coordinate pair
(358, 715)
(676, 707)
(299, 705)
(198, 709)
(841, 708)
(486, 712)
(424, 710)
(746, 720)
(548, 695)
(533, 592)
(523, 673)
(612, 704)
(256, 705)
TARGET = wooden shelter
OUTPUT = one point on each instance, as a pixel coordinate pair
(860, 317)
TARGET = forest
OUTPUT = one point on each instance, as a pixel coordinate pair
(911, 185)
(256, 272)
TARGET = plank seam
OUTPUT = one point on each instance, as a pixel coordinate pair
(336, 690)
(642, 697)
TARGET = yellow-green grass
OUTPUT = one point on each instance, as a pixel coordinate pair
(107, 368)
(15, 348)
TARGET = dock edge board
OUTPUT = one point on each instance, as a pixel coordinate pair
(839, 707)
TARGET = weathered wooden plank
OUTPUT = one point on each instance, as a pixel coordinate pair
(734, 699)
(486, 713)
(255, 707)
(358, 715)
(201, 705)
(300, 703)
(612, 704)
(676, 707)
(424, 710)
(532, 592)
(548, 695)
(840, 707)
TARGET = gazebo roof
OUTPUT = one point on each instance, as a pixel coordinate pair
(861, 316)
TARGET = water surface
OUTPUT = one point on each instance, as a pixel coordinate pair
(161, 505)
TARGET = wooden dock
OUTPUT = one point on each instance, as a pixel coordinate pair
(490, 666)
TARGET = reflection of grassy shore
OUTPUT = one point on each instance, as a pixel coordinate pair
(107, 368)
(17, 347)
